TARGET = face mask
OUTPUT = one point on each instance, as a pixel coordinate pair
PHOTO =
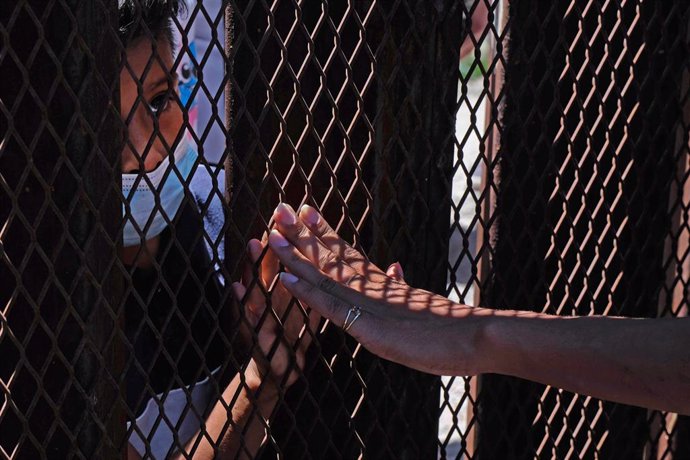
(146, 218)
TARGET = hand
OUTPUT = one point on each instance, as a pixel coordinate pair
(410, 326)
(284, 331)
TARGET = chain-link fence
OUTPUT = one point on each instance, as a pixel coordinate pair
(521, 155)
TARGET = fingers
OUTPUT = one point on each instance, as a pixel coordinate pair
(281, 333)
(304, 269)
(269, 266)
(251, 291)
(309, 245)
(329, 306)
(240, 291)
(300, 325)
(331, 240)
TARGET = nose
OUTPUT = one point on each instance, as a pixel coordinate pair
(132, 164)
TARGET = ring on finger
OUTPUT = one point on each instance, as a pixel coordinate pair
(352, 315)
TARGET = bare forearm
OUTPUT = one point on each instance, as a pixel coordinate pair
(644, 362)
(241, 434)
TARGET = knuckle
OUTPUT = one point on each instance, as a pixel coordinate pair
(326, 285)
(303, 232)
(294, 258)
(355, 281)
(325, 232)
(311, 291)
(352, 253)
(334, 304)
(328, 261)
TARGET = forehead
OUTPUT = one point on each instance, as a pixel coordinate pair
(147, 59)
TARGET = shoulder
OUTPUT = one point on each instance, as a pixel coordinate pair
(207, 184)
(207, 187)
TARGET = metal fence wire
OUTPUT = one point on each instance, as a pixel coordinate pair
(515, 154)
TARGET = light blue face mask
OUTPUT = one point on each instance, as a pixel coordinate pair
(147, 219)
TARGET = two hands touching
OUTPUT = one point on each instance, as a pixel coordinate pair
(285, 331)
(642, 362)
(409, 326)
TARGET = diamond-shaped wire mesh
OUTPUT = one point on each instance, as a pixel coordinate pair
(518, 155)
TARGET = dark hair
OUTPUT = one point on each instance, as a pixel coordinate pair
(147, 18)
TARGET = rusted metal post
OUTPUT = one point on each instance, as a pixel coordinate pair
(417, 73)
(668, 431)
(565, 182)
(59, 215)
(490, 182)
(370, 402)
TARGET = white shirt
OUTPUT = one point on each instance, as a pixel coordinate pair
(175, 412)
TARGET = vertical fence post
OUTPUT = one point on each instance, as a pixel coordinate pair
(60, 213)
(668, 431)
(228, 45)
(417, 74)
(412, 107)
(490, 181)
(558, 165)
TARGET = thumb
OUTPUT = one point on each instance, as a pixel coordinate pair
(395, 271)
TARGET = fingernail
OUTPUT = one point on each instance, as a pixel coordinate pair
(311, 215)
(288, 278)
(285, 214)
(395, 270)
(399, 269)
(276, 239)
(253, 244)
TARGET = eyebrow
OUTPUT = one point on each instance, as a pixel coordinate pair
(172, 77)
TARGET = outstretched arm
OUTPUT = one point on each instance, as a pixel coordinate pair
(643, 362)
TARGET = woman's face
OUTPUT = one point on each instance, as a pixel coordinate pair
(149, 105)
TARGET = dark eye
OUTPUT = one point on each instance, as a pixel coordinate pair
(160, 103)
(186, 72)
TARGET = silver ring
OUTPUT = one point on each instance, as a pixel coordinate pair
(354, 312)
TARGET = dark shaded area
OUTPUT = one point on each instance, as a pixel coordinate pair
(374, 148)
(59, 160)
(574, 113)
